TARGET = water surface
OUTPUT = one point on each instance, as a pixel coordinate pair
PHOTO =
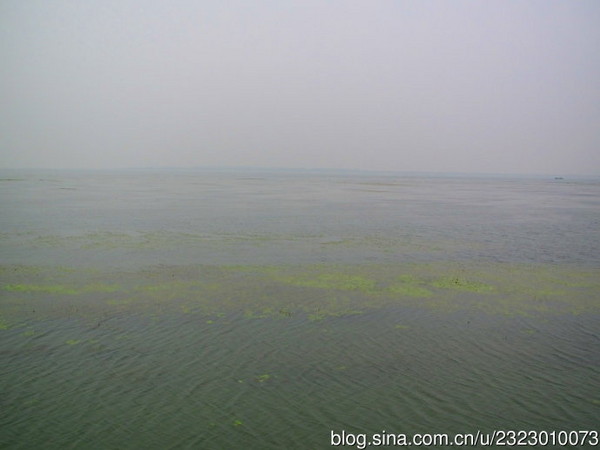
(198, 309)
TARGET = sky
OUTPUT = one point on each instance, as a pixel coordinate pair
(495, 86)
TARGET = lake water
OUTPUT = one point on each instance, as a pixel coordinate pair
(264, 309)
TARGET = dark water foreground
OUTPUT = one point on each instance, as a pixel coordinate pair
(277, 356)
(224, 310)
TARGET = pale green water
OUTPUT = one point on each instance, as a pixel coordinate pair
(221, 316)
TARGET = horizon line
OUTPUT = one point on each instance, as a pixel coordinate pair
(217, 168)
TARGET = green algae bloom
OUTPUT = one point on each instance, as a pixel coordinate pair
(462, 285)
(262, 378)
(60, 289)
(314, 292)
(55, 289)
(340, 281)
(409, 290)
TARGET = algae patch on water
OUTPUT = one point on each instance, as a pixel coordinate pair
(462, 285)
(314, 292)
(409, 286)
(56, 289)
(262, 378)
(60, 289)
(335, 280)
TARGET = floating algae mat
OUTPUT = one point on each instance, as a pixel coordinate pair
(308, 291)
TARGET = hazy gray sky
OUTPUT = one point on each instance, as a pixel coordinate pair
(458, 86)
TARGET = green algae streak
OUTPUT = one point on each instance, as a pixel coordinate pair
(316, 292)
(409, 291)
(60, 289)
(462, 285)
(340, 281)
